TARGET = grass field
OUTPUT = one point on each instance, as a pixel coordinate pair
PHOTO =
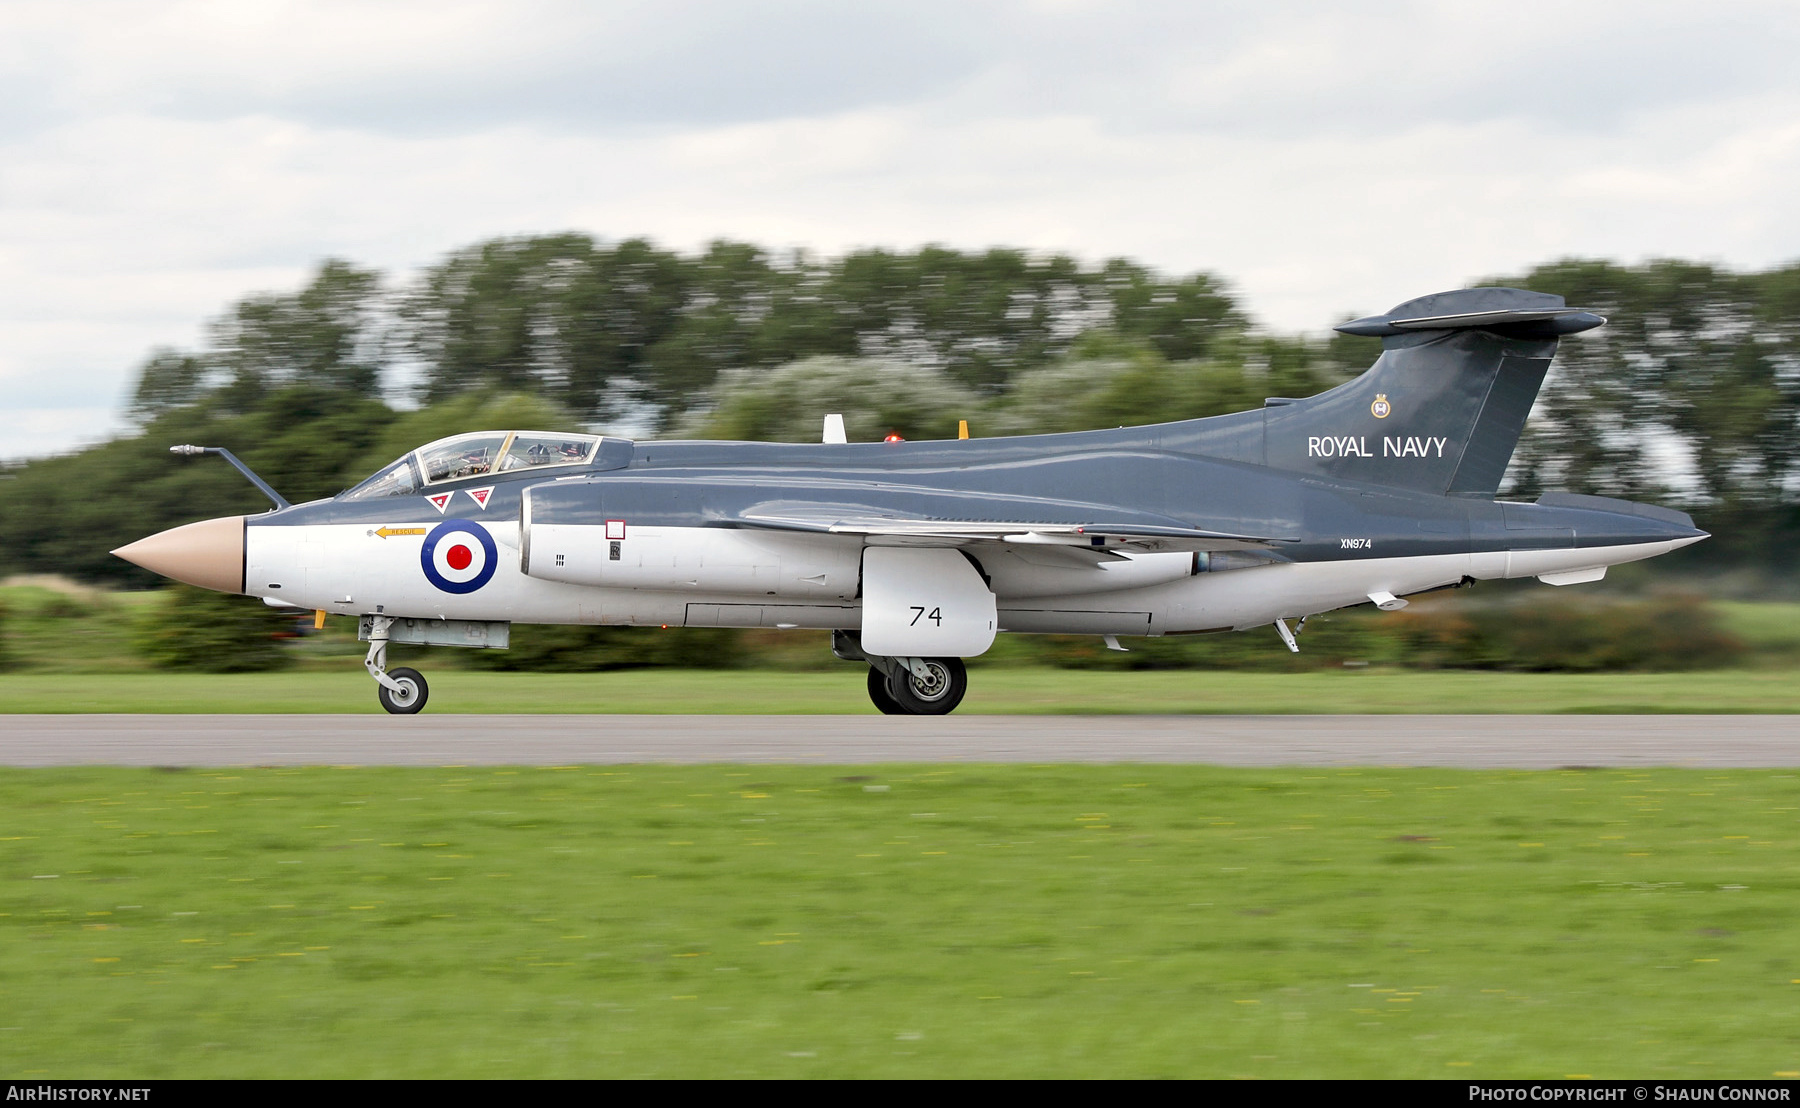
(898, 921)
(993, 690)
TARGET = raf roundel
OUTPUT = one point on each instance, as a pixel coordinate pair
(458, 556)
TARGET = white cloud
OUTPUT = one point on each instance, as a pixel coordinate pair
(158, 161)
(35, 432)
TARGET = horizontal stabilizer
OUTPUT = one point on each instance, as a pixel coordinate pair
(1515, 312)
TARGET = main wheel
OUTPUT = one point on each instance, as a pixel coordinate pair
(411, 695)
(878, 693)
(938, 694)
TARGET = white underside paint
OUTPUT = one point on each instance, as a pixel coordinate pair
(711, 560)
(1583, 576)
(349, 569)
(920, 602)
(1255, 597)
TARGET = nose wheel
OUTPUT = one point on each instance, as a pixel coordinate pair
(402, 691)
(408, 694)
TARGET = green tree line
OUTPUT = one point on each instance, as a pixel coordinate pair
(598, 328)
(1690, 395)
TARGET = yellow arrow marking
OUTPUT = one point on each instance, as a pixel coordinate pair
(389, 532)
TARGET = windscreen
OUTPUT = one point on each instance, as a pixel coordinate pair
(399, 479)
(476, 455)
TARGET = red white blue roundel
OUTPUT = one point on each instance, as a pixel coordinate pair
(458, 556)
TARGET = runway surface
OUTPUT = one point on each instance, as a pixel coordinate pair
(1527, 742)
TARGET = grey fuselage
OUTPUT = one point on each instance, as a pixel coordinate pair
(1155, 475)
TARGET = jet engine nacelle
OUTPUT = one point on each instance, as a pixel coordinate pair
(703, 559)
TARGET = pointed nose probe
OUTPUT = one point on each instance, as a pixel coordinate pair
(209, 554)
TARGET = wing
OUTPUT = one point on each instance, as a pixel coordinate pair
(884, 514)
(1097, 534)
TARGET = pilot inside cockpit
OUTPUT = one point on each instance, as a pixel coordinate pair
(474, 455)
(531, 448)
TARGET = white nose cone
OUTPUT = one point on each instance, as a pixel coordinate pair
(209, 554)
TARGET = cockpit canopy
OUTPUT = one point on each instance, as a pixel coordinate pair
(476, 455)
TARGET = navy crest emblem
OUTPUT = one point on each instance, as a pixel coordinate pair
(1381, 409)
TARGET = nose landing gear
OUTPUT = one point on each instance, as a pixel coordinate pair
(401, 691)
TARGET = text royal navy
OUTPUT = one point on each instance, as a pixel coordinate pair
(1357, 446)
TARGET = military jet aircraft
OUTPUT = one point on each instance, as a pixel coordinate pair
(916, 554)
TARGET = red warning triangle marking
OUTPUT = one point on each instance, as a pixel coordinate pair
(441, 501)
(481, 495)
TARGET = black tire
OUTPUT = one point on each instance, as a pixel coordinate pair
(879, 695)
(938, 697)
(404, 704)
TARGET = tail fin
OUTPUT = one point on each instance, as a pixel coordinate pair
(1442, 408)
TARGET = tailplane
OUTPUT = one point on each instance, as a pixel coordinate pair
(1442, 408)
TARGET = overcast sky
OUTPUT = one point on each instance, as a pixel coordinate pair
(160, 160)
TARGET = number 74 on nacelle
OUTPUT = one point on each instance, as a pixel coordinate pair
(916, 554)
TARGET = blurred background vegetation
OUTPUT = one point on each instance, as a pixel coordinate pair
(1689, 397)
(54, 625)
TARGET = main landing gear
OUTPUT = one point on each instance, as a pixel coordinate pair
(401, 691)
(908, 686)
(919, 686)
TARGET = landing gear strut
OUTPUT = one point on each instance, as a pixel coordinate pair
(401, 691)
